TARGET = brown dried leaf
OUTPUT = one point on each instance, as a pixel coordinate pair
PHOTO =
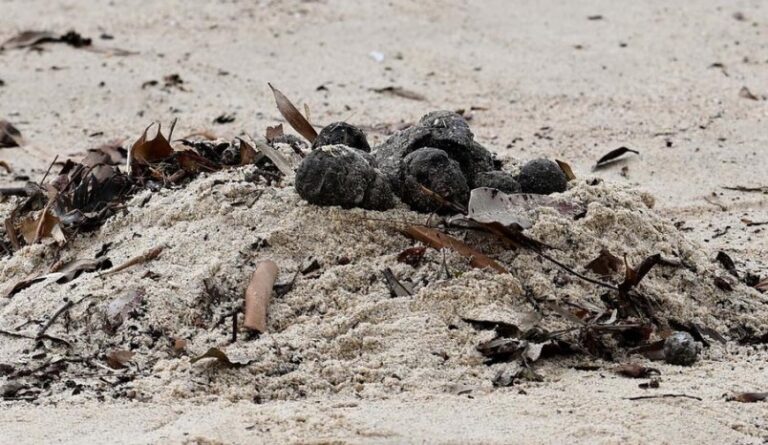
(749, 397)
(613, 155)
(26, 39)
(606, 264)
(147, 151)
(10, 136)
(275, 132)
(439, 240)
(43, 225)
(400, 92)
(192, 162)
(566, 168)
(118, 359)
(412, 255)
(220, 357)
(293, 116)
(247, 153)
(746, 94)
(634, 276)
(762, 286)
(282, 164)
(5, 165)
(635, 370)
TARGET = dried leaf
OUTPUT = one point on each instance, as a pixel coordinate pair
(26, 39)
(749, 397)
(44, 225)
(247, 154)
(439, 240)
(10, 136)
(762, 286)
(293, 116)
(652, 351)
(634, 276)
(74, 269)
(147, 151)
(566, 168)
(119, 358)
(503, 329)
(274, 133)
(222, 358)
(487, 205)
(727, 263)
(612, 155)
(606, 264)
(192, 162)
(723, 284)
(635, 371)
(412, 256)
(278, 159)
(118, 310)
(396, 288)
(746, 94)
(400, 92)
(5, 165)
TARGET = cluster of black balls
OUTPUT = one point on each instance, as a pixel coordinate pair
(438, 153)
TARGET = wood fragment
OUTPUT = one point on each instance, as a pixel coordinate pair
(566, 168)
(148, 256)
(664, 396)
(439, 240)
(258, 294)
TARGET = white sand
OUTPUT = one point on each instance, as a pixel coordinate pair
(594, 99)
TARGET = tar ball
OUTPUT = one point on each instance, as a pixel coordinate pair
(435, 170)
(498, 180)
(341, 133)
(680, 348)
(337, 175)
(542, 177)
(230, 155)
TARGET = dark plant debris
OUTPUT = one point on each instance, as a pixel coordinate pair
(612, 156)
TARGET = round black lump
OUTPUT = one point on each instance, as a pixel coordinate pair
(680, 348)
(542, 177)
(342, 133)
(498, 180)
(338, 175)
(435, 170)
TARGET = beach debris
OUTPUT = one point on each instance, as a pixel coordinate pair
(723, 284)
(135, 261)
(336, 175)
(282, 164)
(741, 188)
(10, 136)
(498, 180)
(502, 328)
(439, 240)
(119, 309)
(7, 167)
(635, 371)
(567, 170)
(119, 358)
(61, 274)
(681, 348)
(293, 116)
(748, 397)
(727, 263)
(412, 256)
(745, 93)
(45, 224)
(224, 118)
(665, 396)
(612, 156)
(435, 170)
(27, 39)
(222, 358)
(606, 264)
(396, 287)
(258, 295)
(762, 286)
(146, 151)
(543, 177)
(400, 92)
(342, 133)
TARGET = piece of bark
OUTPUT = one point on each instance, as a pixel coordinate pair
(258, 294)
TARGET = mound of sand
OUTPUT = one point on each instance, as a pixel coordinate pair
(337, 330)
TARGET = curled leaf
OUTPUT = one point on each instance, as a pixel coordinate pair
(222, 358)
(147, 151)
(440, 240)
(10, 136)
(293, 116)
(612, 156)
(635, 370)
(119, 359)
(606, 264)
(566, 168)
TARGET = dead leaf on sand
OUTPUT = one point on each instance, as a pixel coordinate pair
(612, 156)
(605, 264)
(6, 166)
(222, 358)
(43, 225)
(748, 397)
(635, 370)
(293, 116)
(566, 168)
(400, 92)
(26, 39)
(746, 94)
(118, 359)
(146, 151)
(10, 136)
(440, 240)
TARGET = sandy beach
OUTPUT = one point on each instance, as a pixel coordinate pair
(564, 80)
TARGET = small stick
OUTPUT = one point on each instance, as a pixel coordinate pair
(149, 256)
(65, 307)
(234, 327)
(664, 396)
(258, 294)
(49, 170)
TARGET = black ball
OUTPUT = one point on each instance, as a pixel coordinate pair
(341, 133)
(338, 175)
(542, 177)
(435, 170)
(498, 180)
